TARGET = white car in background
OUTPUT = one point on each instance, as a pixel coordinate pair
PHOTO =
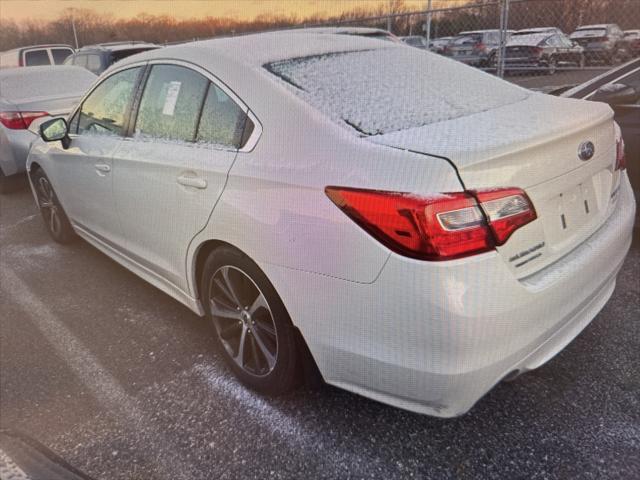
(424, 237)
(28, 95)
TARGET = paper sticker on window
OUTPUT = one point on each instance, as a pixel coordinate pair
(171, 99)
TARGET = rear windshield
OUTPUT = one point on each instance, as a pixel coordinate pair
(390, 89)
(590, 32)
(32, 83)
(120, 54)
(469, 39)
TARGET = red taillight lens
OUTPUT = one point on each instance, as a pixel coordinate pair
(438, 227)
(507, 210)
(19, 120)
(480, 46)
(621, 160)
(537, 51)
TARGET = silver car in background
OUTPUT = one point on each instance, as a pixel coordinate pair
(27, 94)
(476, 47)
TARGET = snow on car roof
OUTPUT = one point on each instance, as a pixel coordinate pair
(45, 81)
(598, 26)
(258, 49)
(386, 90)
(530, 39)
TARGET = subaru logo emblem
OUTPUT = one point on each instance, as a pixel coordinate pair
(586, 150)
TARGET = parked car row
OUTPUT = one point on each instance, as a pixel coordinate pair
(541, 48)
(95, 58)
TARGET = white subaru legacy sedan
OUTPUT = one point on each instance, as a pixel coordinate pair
(421, 228)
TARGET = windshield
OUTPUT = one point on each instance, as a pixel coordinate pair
(385, 90)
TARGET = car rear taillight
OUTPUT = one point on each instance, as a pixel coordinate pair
(436, 227)
(480, 47)
(537, 51)
(19, 120)
(621, 160)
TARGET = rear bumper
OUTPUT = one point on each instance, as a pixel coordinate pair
(14, 149)
(434, 337)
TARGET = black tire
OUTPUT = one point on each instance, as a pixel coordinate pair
(271, 323)
(55, 219)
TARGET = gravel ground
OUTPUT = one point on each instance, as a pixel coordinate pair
(122, 382)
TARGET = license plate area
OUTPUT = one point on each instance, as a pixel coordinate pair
(573, 210)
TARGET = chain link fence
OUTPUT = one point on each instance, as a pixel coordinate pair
(519, 37)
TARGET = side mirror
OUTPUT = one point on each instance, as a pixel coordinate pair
(54, 130)
(616, 94)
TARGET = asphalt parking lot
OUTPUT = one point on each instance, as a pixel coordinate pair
(565, 76)
(122, 382)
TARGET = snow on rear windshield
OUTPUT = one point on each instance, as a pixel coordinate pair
(32, 82)
(386, 90)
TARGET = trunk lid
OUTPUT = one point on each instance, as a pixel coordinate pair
(534, 145)
(55, 106)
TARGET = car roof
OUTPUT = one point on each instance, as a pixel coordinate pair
(341, 30)
(539, 29)
(117, 46)
(595, 27)
(530, 39)
(262, 48)
(469, 32)
(47, 45)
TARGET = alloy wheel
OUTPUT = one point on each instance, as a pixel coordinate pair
(48, 206)
(243, 321)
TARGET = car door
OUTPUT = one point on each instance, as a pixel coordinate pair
(170, 173)
(83, 172)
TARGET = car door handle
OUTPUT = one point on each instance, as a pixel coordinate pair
(102, 167)
(195, 182)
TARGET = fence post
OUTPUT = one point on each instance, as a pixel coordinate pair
(504, 24)
(428, 33)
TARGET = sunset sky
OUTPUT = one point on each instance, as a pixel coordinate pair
(240, 9)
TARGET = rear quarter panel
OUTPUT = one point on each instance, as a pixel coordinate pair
(274, 207)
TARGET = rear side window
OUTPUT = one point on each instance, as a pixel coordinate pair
(36, 57)
(60, 55)
(171, 103)
(104, 110)
(222, 121)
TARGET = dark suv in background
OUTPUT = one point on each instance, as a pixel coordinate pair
(97, 58)
(602, 43)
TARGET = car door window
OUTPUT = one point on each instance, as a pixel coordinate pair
(36, 57)
(171, 103)
(60, 55)
(104, 110)
(222, 121)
